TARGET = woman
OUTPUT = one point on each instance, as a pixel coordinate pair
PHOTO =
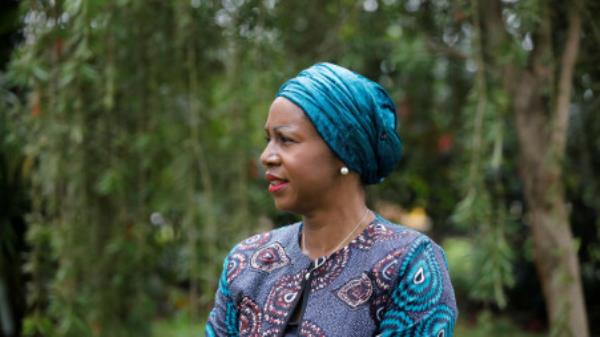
(342, 271)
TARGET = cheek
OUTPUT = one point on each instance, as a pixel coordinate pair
(316, 168)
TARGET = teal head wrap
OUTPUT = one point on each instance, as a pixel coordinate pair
(353, 115)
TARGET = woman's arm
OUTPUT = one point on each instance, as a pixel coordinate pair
(223, 318)
(422, 304)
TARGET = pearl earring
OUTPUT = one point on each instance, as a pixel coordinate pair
(344, 170)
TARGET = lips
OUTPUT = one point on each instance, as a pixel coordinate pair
(275, 187)
(275, 183)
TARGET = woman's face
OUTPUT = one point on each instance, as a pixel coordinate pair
(301, 170)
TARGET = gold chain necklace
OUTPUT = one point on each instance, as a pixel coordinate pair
(321, 260)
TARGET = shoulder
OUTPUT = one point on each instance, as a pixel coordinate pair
(254, 262)
(265, 252)
(400, 236)
(406, 250)
(385, 236)
(283, 236)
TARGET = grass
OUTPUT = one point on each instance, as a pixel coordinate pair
(181, 325)
(491, 326)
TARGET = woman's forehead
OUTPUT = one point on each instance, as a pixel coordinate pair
(285, 114)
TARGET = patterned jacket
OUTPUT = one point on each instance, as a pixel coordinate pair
(389, 281)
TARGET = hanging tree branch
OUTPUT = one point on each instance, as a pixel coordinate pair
(565, 82)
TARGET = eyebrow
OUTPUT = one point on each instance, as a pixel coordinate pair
(278, 127)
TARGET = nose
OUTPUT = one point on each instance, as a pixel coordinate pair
(269, 156)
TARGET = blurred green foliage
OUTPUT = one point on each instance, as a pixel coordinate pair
(179, 326)
(485, 325)
(131, 130)
(488, 324)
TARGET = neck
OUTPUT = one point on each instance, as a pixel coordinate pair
(326, 230)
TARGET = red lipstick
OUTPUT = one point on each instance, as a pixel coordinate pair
(275, 183)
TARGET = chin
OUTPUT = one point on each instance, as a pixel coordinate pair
(284, 206)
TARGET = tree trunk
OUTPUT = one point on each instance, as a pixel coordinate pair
(554, 249)
(541, 107)
(542, 135)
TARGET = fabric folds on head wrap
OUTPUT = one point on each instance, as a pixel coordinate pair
(353, 115)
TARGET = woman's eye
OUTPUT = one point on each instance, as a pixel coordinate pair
(284, 139)
(280, 139)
